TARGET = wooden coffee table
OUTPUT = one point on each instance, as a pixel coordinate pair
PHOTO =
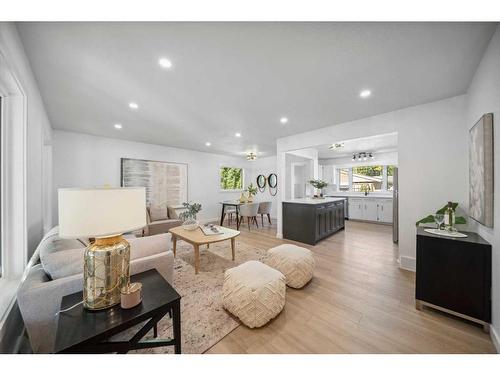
(198, 238)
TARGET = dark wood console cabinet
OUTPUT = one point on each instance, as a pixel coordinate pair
(310, 223)
(454, 275)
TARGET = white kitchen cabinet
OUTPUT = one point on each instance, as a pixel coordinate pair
(385, 210)
(370, 209)
(356, 208)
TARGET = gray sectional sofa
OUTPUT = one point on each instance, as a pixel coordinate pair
(59, 272)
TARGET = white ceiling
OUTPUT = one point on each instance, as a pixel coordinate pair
(242, 77)
(379, 143)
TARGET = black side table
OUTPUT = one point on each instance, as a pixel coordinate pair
(83, 331)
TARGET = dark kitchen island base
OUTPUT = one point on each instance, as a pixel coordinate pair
(311, 220)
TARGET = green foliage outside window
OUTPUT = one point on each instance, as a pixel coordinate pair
(374, 170)
(231, 178)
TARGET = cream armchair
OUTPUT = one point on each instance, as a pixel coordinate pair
(160, 220)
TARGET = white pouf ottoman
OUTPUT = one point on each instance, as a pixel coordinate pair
(295, 262)
(253, 292)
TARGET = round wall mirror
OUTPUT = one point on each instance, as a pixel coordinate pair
(261, 181)
(272, 180)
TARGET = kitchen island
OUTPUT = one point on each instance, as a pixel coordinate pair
(310, 220)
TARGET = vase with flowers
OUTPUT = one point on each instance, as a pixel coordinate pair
(252, 191)
(189, 215)
(318, 185)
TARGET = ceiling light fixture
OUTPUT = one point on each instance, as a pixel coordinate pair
(165, 63)
(362, 156)
(208, 144)
(284, 120)
(133, 105)
(118, 126)
(237, 135)
(336, 146)
(365, 94)
(251, 156)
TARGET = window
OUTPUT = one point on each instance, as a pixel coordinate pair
(390, 177)
(343, 179)
(367, 178)
(231, 178)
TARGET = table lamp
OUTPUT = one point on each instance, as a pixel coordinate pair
(104, 214)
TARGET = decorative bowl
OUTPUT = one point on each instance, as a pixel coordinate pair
(190, 224)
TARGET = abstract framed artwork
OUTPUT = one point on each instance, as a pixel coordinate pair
(166, 183)
(481, 171)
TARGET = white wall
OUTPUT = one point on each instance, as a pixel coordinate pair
(381, 158)
(483, 97)
(82, 160)
(265, 166)
(431, 157)
(39, 132)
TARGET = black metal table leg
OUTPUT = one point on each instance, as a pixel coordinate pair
(223, 213)
(237, 217)
(177, 326)
(155, 331)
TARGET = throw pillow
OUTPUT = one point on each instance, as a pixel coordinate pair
(158, 213)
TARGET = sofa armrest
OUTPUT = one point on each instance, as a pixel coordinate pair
(162, 226)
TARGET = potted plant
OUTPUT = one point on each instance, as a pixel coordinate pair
(319, 185)
(439, 217)
(252, 191)
(189, 215)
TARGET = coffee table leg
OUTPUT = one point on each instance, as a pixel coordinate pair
(174, 243)
(177, 327)
(232, 246)
(196, 258)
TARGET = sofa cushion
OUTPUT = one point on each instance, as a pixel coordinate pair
(52, 244)
(158, 213)
(64, 263)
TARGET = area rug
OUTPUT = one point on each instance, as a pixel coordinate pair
(204, 321)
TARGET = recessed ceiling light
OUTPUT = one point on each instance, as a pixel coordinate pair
(165, 63)
(208, 144)
(118, 126)
(283, 120)
(133, 105)
(238, 135)
(365, 94)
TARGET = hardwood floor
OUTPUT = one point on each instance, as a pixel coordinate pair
(359, 301)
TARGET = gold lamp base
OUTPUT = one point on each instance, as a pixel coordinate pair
(106, 270)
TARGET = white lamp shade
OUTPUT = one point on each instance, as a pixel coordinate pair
(101, 212)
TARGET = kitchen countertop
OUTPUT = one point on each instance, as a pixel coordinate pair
(360, 195)
(313, 201)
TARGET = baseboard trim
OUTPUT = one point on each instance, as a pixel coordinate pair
(408, 263)
(495, 338)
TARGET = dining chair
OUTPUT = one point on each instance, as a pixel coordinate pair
(249, 211)
(265, 209)
(230, 211)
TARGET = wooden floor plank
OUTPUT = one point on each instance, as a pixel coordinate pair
(359, 301)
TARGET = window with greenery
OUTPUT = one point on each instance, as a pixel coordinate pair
(344, 179)
(390, 177)
(367, 178)
(231, 178)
